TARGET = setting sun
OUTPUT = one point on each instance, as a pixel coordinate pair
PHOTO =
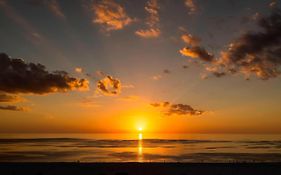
(120, 85)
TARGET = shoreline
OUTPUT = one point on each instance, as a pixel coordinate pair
(135, 168)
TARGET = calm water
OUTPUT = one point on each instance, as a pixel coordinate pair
(139, 148)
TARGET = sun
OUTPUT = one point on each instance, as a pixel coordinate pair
(140, 126)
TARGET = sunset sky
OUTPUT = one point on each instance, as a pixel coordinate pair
(167, 66)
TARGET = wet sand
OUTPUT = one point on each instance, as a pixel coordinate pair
(140, 168)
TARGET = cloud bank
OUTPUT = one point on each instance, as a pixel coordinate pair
(17, 76)
(257, 53)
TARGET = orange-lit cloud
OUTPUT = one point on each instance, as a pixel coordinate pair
(191, 40)
(190, 4)
(148, 33)
(152, 21)
(177, 109)
(194, 50)
(78, 70)
(109, 86)
(197, 52)
(110, 15)
(17, 76)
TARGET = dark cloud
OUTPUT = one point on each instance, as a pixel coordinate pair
(17, 76)
(257, 53)
(12, 108)
(166, 71)
(177, 109)
(109, 86)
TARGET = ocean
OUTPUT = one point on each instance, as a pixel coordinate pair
(140, 147)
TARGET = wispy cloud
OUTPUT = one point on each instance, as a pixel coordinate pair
(7, 98)
(110, 15)
(152, 21)
(177, 109)
(13, 108)
(130, 98)
(156, 77)
(54, 7)
(190, 4)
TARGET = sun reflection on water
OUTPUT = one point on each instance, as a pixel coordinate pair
(140, 153)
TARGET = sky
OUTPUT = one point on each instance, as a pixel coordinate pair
(166, 66)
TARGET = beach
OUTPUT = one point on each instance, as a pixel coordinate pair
(140, 168)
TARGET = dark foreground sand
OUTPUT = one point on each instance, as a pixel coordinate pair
(140, 168)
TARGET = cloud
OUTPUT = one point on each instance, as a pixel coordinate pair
(128, 86)
(152, 21)
(109, 86)
(257, 53)
(191, 40)
(156, 77)
(78, 70)
(194, 50)
(166, 71)
(17, 76)
(197, 52)
(55, 8)
(177, 109)
(4, 98)
(191, 6)
(12, 108)
(89, 103)
(130, 98)
(111, 15)
(148, 33)
(52, 5)
(273, 4)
